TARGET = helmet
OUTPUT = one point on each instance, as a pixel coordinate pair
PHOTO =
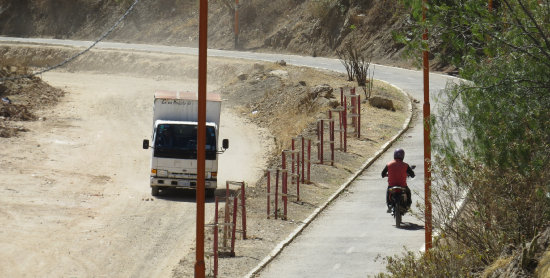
(399, 154)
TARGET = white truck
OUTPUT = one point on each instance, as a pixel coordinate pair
(174, 141)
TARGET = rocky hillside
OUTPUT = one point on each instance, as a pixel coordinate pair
(307, 27)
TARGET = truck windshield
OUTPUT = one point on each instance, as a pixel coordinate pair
(180, 141)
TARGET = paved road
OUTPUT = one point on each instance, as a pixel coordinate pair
(347, 237)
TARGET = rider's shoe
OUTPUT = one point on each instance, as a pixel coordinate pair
(389, 210)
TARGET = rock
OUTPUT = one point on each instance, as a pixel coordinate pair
(281, 63)
(323, 90)
(303, 83)
(259, 67)
(382, 103)
(242, 76)
(283, 74)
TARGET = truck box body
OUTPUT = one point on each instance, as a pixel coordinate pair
(174, 141)
(183, 106)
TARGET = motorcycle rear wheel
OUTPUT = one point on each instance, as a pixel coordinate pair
(397, 214)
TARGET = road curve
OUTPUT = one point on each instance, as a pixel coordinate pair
(346, 238)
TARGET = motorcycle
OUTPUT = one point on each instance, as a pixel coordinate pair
(398, 202)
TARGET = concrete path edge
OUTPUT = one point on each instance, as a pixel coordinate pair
(279, 248)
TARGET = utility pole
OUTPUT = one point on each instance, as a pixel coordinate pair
(236, 24)
(201, 139)
(427, 142)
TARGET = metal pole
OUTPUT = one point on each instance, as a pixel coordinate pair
(216, 238)
(234, 228)
(276, 193)
(345, 123)
(303, 160)
(359, 116)
(243, 209)
(427, 143)
(268, 191)
(236, 24)
(201, 139)
(309, 160)
(298, 179)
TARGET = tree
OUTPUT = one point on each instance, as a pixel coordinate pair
(497, 162)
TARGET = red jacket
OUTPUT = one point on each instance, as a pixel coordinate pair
(397, 172)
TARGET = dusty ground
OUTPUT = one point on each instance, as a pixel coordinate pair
(75, 188)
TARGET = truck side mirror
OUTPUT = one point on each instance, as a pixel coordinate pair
(225, 144)
(145, 144)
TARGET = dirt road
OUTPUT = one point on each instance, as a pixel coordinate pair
(75, 197)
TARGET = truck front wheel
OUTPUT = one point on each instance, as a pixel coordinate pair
(210, 192)
(155, 191)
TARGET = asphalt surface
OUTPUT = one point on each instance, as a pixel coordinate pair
(348, 236)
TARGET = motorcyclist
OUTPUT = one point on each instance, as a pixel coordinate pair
(397, 172)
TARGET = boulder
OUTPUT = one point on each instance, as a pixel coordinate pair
(382, 103)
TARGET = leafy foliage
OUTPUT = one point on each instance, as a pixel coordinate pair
(491, 177)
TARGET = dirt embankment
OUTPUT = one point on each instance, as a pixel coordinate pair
(315, 28)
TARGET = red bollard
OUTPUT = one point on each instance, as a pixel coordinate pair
(359, 116)
(332, 142)
(293, 156)
(354, 106)
(322, 140)
(345, 121)
(234, 229)
(276, 193)
(303, 161)
(268, 172)
(243, 209)
(216, 239)
(308, 160)
(341, 96)
(298, 180)
(285, 192)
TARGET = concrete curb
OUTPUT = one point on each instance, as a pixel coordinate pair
(279, 248)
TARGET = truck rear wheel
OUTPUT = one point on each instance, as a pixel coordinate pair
(155, 191)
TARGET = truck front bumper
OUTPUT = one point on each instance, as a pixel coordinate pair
(180, 183)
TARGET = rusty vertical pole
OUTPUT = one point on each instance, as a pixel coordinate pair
(298, 179)
(268, 191)
(236, 24)
(331, 136)
(243, 209)
(216, 238)
(345, 123)
(341, 96)
(284, 185)
(201, 139)
(284, 193)
(234, 227)
(353, 107)
(359, 116)
(309, 160)
(303, 158)
(293, 159)
(490, 5)
(321, 156)
(276, 193)
(427, 143)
